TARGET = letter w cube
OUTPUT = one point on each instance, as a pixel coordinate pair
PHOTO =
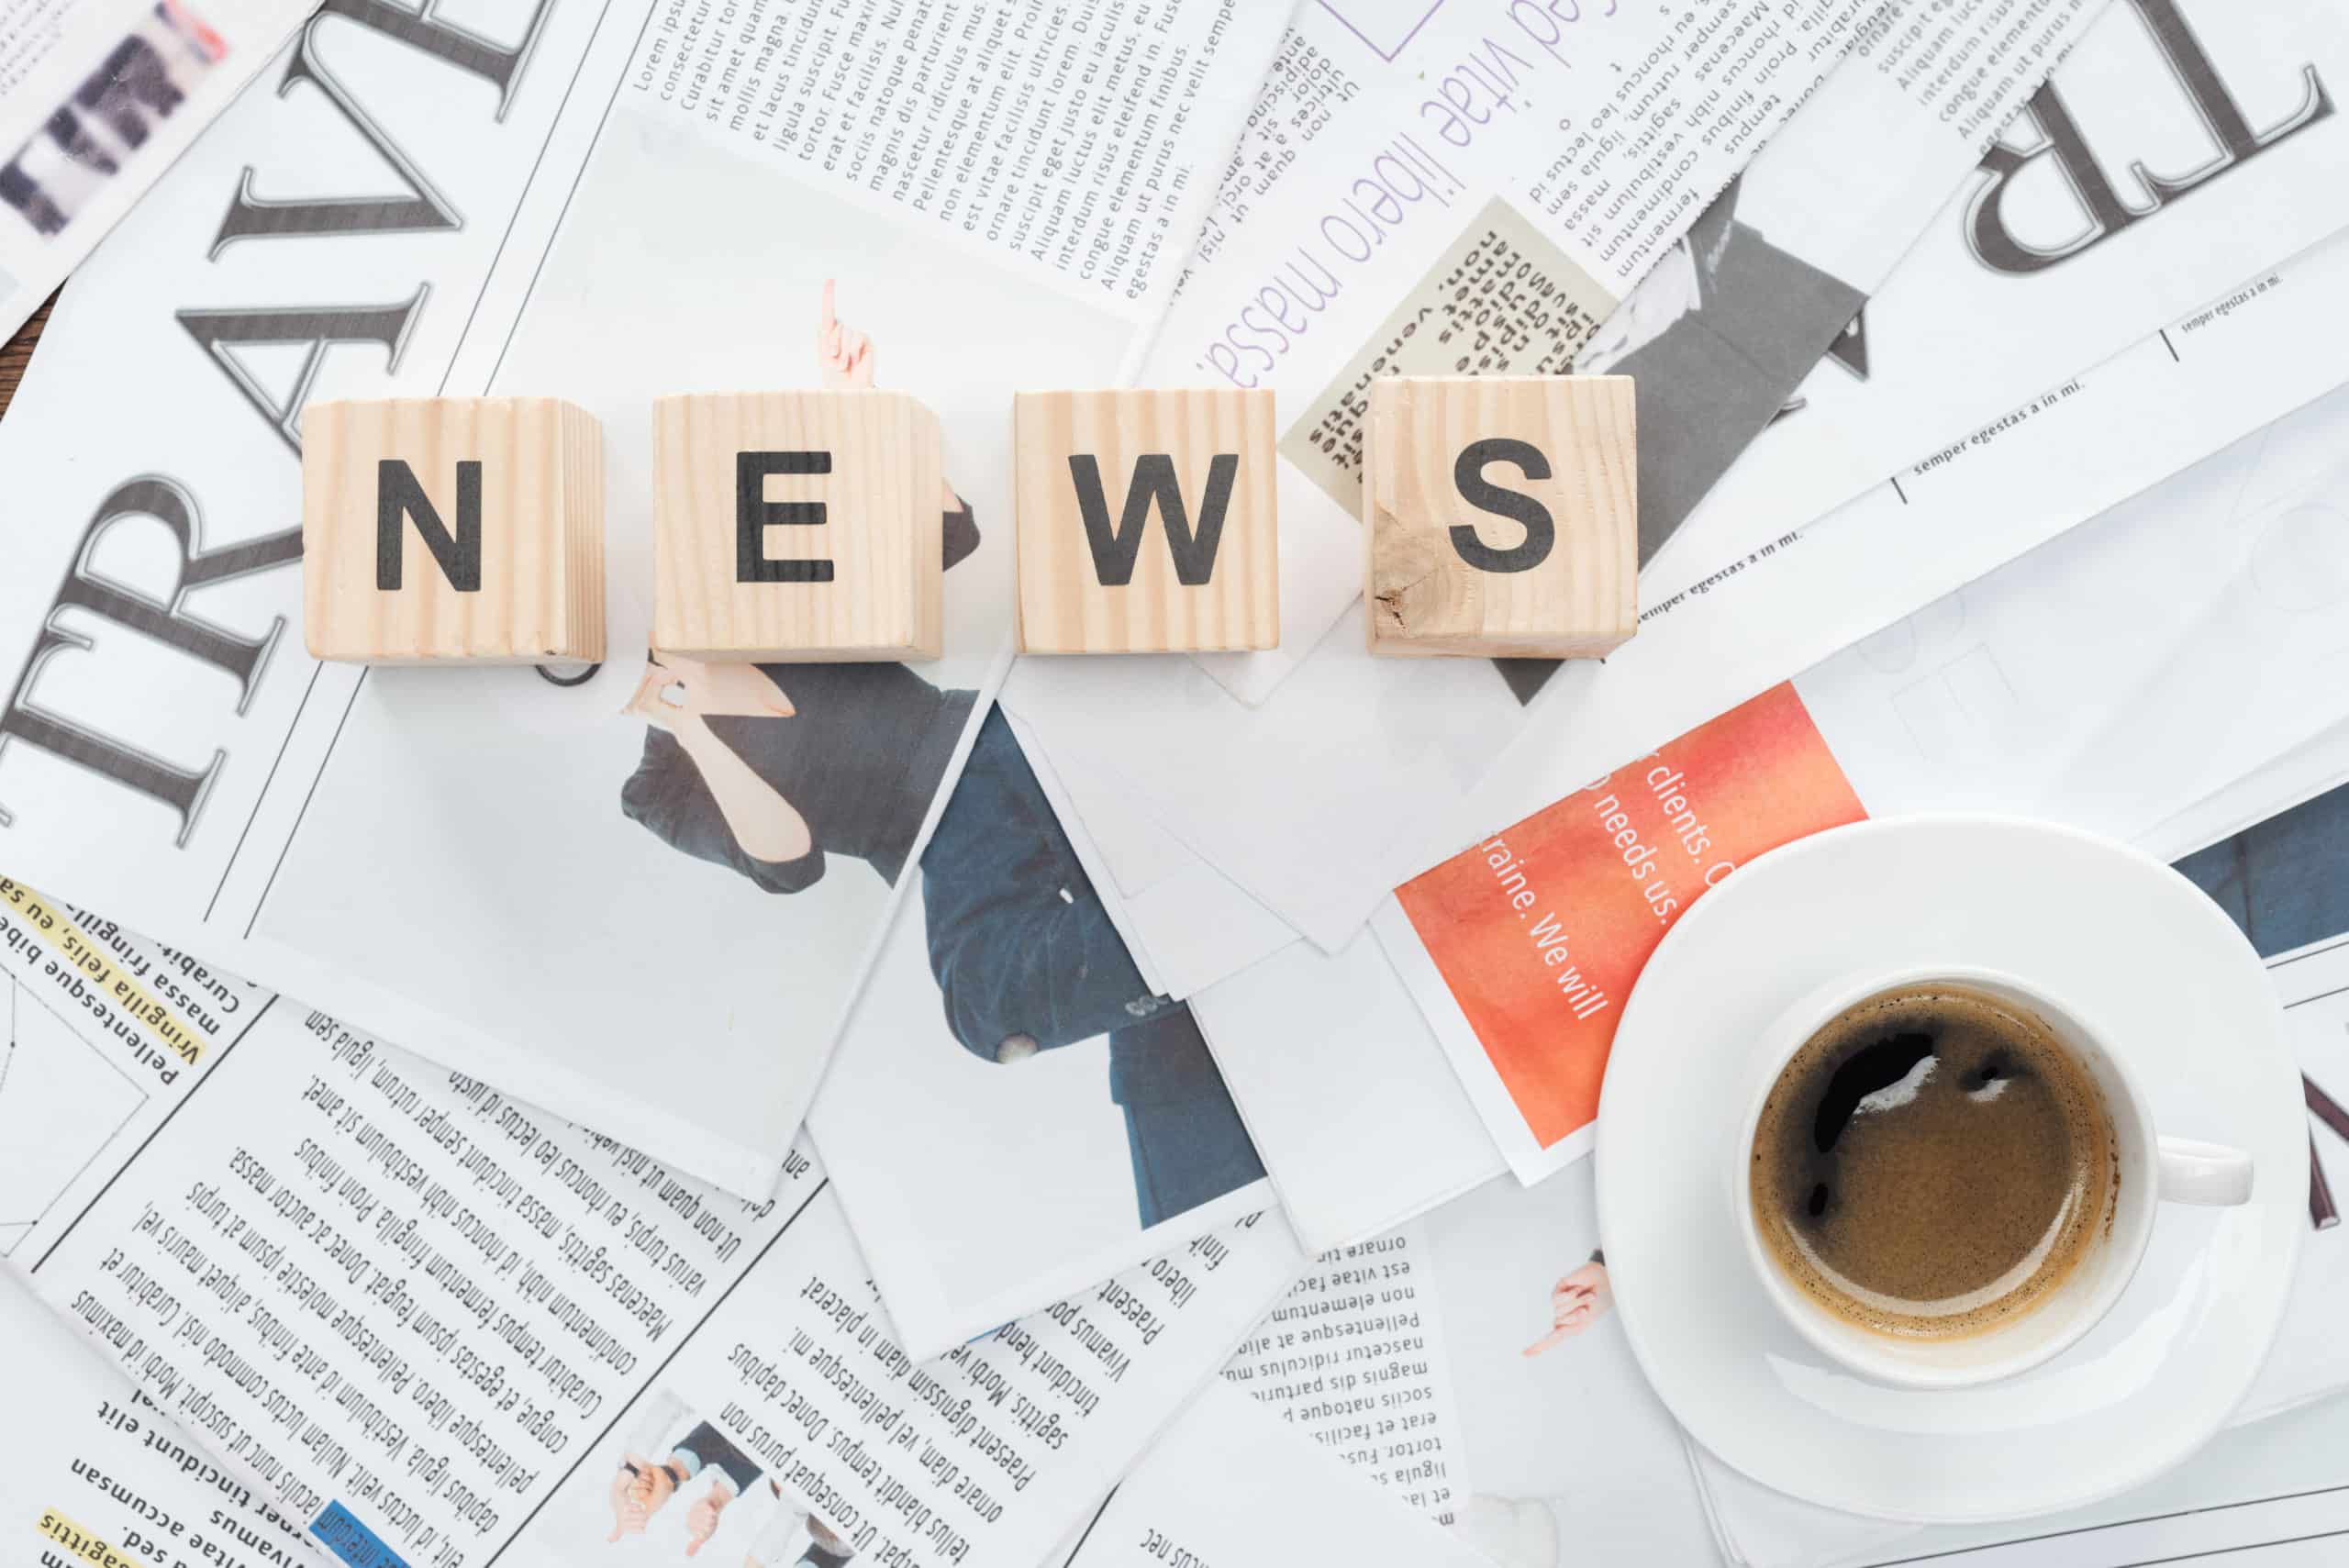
(444, 529)
(1146, 521)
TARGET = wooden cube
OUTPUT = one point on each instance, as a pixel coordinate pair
(1146, 521)
(798, 527)
(1500, 516)
(445, 529)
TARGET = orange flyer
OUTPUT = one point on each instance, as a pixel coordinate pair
(1540, 929)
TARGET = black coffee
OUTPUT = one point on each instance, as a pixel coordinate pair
(1932, 1162)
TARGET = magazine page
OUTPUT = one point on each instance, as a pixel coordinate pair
(1229, 1485)
(96, 98)
(788, 236)
(103, 1476)
(1016, 1112)
(428, 1320)
(1472, 1364)
(2284, 881)
(2001, 697)
(2182, 146)
(1461, 189)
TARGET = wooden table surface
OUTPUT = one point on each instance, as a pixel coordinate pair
(19, 351)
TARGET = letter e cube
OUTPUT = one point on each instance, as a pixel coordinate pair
(798, 527)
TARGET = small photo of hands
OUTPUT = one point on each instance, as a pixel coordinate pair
(1578, 1300)
(673, 1465)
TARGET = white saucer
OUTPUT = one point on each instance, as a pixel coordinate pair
(2184, 997)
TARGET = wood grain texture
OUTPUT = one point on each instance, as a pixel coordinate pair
(542, 594)
(1064, 607)
(1424, 596)
(18, 352)
(884, 517)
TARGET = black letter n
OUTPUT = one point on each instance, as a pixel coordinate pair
(1114, 550)
(398, 493)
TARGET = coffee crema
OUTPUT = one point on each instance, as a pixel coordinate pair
(1933, 1163)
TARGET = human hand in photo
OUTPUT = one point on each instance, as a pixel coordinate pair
(1577, 1302)
(701, 1520)
(637, 1496)
(843, 354)
(675, 688)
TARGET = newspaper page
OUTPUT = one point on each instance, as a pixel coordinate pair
(2010, 695)
(1007, 1035)
(933, 199)
(1230, 1485)
(93, 1473)
(96, 98)
(1472, 1364)
(2284, 881)
(435, 1324)
(2183, 146)
(1306, 800)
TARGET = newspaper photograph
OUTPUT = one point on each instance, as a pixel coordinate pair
(1007, 1029)
(770, 228)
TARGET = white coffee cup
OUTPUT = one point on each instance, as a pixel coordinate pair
(2152, 1170)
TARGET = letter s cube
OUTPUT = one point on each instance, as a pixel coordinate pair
(798, 527)
(453, 530)
(1500, 516)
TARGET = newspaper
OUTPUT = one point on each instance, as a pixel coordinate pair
(1229, 1485)
(2284, 881)
(1475, 192)
(1315, 802)
(1473, 1365)
(102, 1470)
(1324, 1129)
(433, 1324)
(1015, 1112)
(98, 96)
(2184, 145)
(773, 198)
(2106, 680)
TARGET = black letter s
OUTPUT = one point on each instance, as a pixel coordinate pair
(1540, 531)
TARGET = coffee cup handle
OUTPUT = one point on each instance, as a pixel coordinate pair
(2206, 1173)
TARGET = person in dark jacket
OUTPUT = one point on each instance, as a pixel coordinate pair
(1027, 960)
(770, 770)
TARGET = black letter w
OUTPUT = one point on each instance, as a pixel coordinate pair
(1114, 553)
(397, 493)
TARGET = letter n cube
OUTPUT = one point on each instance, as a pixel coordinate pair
(453, 530)
(798, 527)
(1500, 516)
(1146, 521)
